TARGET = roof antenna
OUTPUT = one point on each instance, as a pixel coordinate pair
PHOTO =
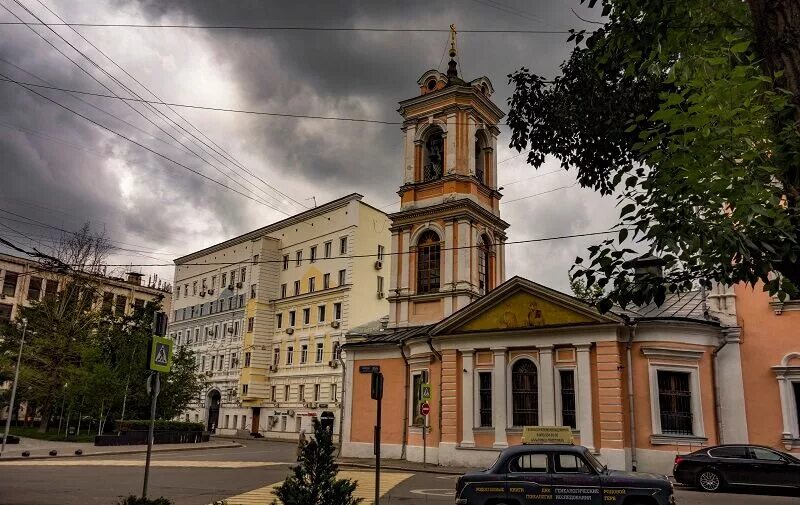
(315, 200)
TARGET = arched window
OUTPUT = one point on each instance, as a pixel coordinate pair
(428, 264)
(525, 393)
(483, 265)
(433, 155)
(480, 162)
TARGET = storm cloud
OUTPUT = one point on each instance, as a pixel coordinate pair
(59, 169)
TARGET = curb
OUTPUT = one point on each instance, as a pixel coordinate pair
(231, 445)
(432, 469)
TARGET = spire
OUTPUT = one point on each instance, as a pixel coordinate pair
(452, 66)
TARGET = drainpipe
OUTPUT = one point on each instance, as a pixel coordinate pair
(439, 357)
(631, 410)
(405, 403)
(341, 411)
(717, 400)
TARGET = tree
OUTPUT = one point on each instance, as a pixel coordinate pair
(314, 481)
(590, 295)
(688, 113)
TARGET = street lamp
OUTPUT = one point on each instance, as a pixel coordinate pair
(14, 387)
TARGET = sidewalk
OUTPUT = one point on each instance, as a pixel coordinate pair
(40, 449)
(398, 464)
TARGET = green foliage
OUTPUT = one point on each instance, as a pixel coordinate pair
(144, 424)
(313, 481)
(135, 500)
(669, 107)
(590, 295)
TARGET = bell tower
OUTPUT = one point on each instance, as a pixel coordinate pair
(448, 234)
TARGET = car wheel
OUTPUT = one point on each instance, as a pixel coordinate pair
(709, 480)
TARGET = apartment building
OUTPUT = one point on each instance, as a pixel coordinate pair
(23, 281)
(266, 313)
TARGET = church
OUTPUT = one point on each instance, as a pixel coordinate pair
(636, 386)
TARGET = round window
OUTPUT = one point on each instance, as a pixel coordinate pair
(432, 84)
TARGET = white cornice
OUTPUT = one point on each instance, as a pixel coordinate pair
(670, 353)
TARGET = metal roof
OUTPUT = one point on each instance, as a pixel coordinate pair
(688, 305)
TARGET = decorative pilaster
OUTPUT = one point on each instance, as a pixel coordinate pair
(547, 386)
(586, 423)
(499, 398)
(467, 399)
(449, 389)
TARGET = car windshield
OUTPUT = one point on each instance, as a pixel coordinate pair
(598, 467)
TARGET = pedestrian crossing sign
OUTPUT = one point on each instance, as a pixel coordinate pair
(160, 354)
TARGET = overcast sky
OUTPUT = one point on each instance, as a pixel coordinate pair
(61, 170)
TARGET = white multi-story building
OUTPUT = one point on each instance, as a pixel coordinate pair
(267, 311)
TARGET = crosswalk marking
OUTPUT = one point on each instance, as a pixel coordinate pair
(365, 489)
(153, 463)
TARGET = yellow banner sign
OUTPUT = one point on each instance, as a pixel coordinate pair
(546, 435)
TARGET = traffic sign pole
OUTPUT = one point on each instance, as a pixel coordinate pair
(155, 389)
(376, 393)
(425, 410)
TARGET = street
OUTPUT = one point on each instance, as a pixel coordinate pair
(242, 476)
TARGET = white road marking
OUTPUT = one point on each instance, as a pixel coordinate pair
(434, 492)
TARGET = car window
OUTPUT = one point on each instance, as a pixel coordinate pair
(528, 463)
(570, 463)
(765, 454)
(728, 452)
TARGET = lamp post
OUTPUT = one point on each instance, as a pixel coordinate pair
(14, 387)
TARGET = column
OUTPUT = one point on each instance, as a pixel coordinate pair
(586, 423)
(405, 275)
(547, 386)
(783, 387)
(499, 398)
(467, 399)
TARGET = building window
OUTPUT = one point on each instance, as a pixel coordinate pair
(334, 396)
(221, 360)
(328, 247)
(255, 259)
(303, 354)
(202, 363)
(35, 288)
(5, 312)
(121, 303)
(224, 283)
(252, 291)
(289, 355)
(286, 391)
(233, 277)
(675, 403)
(316, 392)
(335, 353)
(276, 356)
(296, 288)
(283, 290)
(480, 160)
(380, 286)
(292, 318)
(483, 266)
(301, 393)
(326, 281)
(213, 363)
(194, 288)
(177, 292)
(433, 155)
(241, 301)
(234, 360)
(380, 252)
(321, 314)
(337, 311)
(525, 393)
(246, 359)
(285, 261)
(201, 307)
(568, 411)
(312, 284)
(428, 262)
(485, 398)
(108, 303)
(279, 319)
(298, 258)
(419, 378)
(236, 328)
(306, 316)
(313, 257)
(343, 246)
(342, 277)
(250, 323)
(272, 393)
(244, 393)
(319, 352)
(243, 274)
(50, 289)
(230, 303)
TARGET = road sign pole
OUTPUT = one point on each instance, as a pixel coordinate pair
(155, 389)
(378, 453)
(425, 442)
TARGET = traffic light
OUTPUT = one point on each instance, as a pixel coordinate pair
(376, 391)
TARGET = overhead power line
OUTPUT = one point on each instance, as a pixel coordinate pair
(292, 28)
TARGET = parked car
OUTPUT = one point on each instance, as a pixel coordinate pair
(713, 468)
(559, 474)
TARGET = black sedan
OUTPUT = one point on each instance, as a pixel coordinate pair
(559, 474)
(713, 468)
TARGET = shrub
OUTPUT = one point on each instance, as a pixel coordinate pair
(135, 500)
(144, 425)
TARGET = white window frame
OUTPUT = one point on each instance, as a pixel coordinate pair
(411, 374)
(557, 381)
(698, 429)
(510, 396)
(476, 399)
(787, 376)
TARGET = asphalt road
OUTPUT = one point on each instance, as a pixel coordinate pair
(240, 475)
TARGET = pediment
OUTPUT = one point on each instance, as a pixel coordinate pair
(520, 304)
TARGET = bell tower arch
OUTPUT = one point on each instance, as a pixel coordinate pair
(448, 235)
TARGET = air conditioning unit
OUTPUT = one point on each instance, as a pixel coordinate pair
(380, 294)
(378, 265)
(335, 324)
(291, 413)
(239, 285)
(273, 368)
(333, 364)
(230, 286)
(202, 294)
(209, 373)
(289, 331)
(211, 291)
(310, 405)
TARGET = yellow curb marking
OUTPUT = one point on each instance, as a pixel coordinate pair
(153, 463)
(365, 489)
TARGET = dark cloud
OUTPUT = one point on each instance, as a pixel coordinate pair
(145, 200)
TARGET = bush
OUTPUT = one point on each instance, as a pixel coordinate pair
(135, 500)
(144, 425)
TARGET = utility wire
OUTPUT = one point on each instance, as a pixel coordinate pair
(225, 154)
